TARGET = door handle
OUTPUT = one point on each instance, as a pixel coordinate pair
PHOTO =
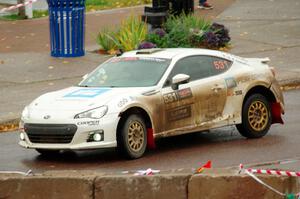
(217, 87)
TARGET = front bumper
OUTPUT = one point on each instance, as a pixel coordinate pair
(108, 124)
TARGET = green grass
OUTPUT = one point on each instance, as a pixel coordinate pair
(36, 14)
(40, 13)
(12, 17)
(97, 2)
(91, 5)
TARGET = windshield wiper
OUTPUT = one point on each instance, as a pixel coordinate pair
(82, 85)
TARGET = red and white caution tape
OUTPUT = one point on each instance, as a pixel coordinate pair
(272, 172)
(17, 6)
(275, 172)
(263, 183)
(251, 172)
(29, 172)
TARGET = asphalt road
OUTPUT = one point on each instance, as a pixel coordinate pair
(225, 147)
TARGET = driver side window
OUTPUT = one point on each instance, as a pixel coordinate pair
(197, 67)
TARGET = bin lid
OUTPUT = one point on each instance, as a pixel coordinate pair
(66, 3)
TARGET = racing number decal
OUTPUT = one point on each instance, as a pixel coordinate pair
(177, 95)
(220, 65)
(170, 97)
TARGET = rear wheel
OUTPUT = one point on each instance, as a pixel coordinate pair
(256, 117)
(132, 137)
(48, 152)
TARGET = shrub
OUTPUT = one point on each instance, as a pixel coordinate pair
(131, 33)
(128, 37)
(190, 31)
(106, 40)
(222, 33)
(146, 45)
(181, 31)
(187, 21)
(158, 37)
(185, 30)
(211, 40)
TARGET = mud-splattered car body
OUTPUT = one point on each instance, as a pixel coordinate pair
(198, 90)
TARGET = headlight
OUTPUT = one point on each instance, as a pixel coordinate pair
(96, 113)
(25, 113)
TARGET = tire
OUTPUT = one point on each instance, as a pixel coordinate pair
(132, 137)
(47, 152)
(256, 117)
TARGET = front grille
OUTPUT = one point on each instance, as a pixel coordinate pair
(50, 133)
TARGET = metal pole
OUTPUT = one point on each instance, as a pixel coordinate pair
(28, 11)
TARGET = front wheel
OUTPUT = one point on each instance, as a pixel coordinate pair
(132, 137)
(256, 117)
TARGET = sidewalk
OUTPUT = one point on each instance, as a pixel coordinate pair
(267, 28)
(259, 28)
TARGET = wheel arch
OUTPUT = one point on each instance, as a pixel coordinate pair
(271, 98)
(260, 89)
(136, 110)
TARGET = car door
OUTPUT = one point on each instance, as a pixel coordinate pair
(199, 101)
(211, 90)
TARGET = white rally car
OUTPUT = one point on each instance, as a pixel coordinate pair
(131, 99)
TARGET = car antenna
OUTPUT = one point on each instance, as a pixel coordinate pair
(120, 52)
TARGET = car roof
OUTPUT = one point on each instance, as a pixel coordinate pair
(170, 53)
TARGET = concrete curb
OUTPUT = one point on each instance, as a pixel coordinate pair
(213, 183)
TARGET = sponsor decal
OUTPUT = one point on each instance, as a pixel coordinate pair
(185, 93)
(128, 59)
(87, 93)
(177, 95)
(46, 117)
(230, 93)
(238, 92)
(230, 82)
(179, 113)
(122, 102)
(89, 123)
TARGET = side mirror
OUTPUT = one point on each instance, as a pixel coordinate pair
(85, 76)
(179, 79)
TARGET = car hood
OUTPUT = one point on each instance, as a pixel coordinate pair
(80, 98)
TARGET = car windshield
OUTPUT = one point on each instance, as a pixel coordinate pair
(127, 72)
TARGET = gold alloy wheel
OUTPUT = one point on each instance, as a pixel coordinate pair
(258, 116)
(136, 136)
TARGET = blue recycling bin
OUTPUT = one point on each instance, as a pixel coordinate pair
(67, 21)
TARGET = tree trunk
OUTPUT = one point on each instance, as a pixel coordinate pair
(22, 10)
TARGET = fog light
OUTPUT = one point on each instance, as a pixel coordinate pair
(22, 136)
(96, 136)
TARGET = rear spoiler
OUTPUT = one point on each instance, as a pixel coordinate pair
(265, 60)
